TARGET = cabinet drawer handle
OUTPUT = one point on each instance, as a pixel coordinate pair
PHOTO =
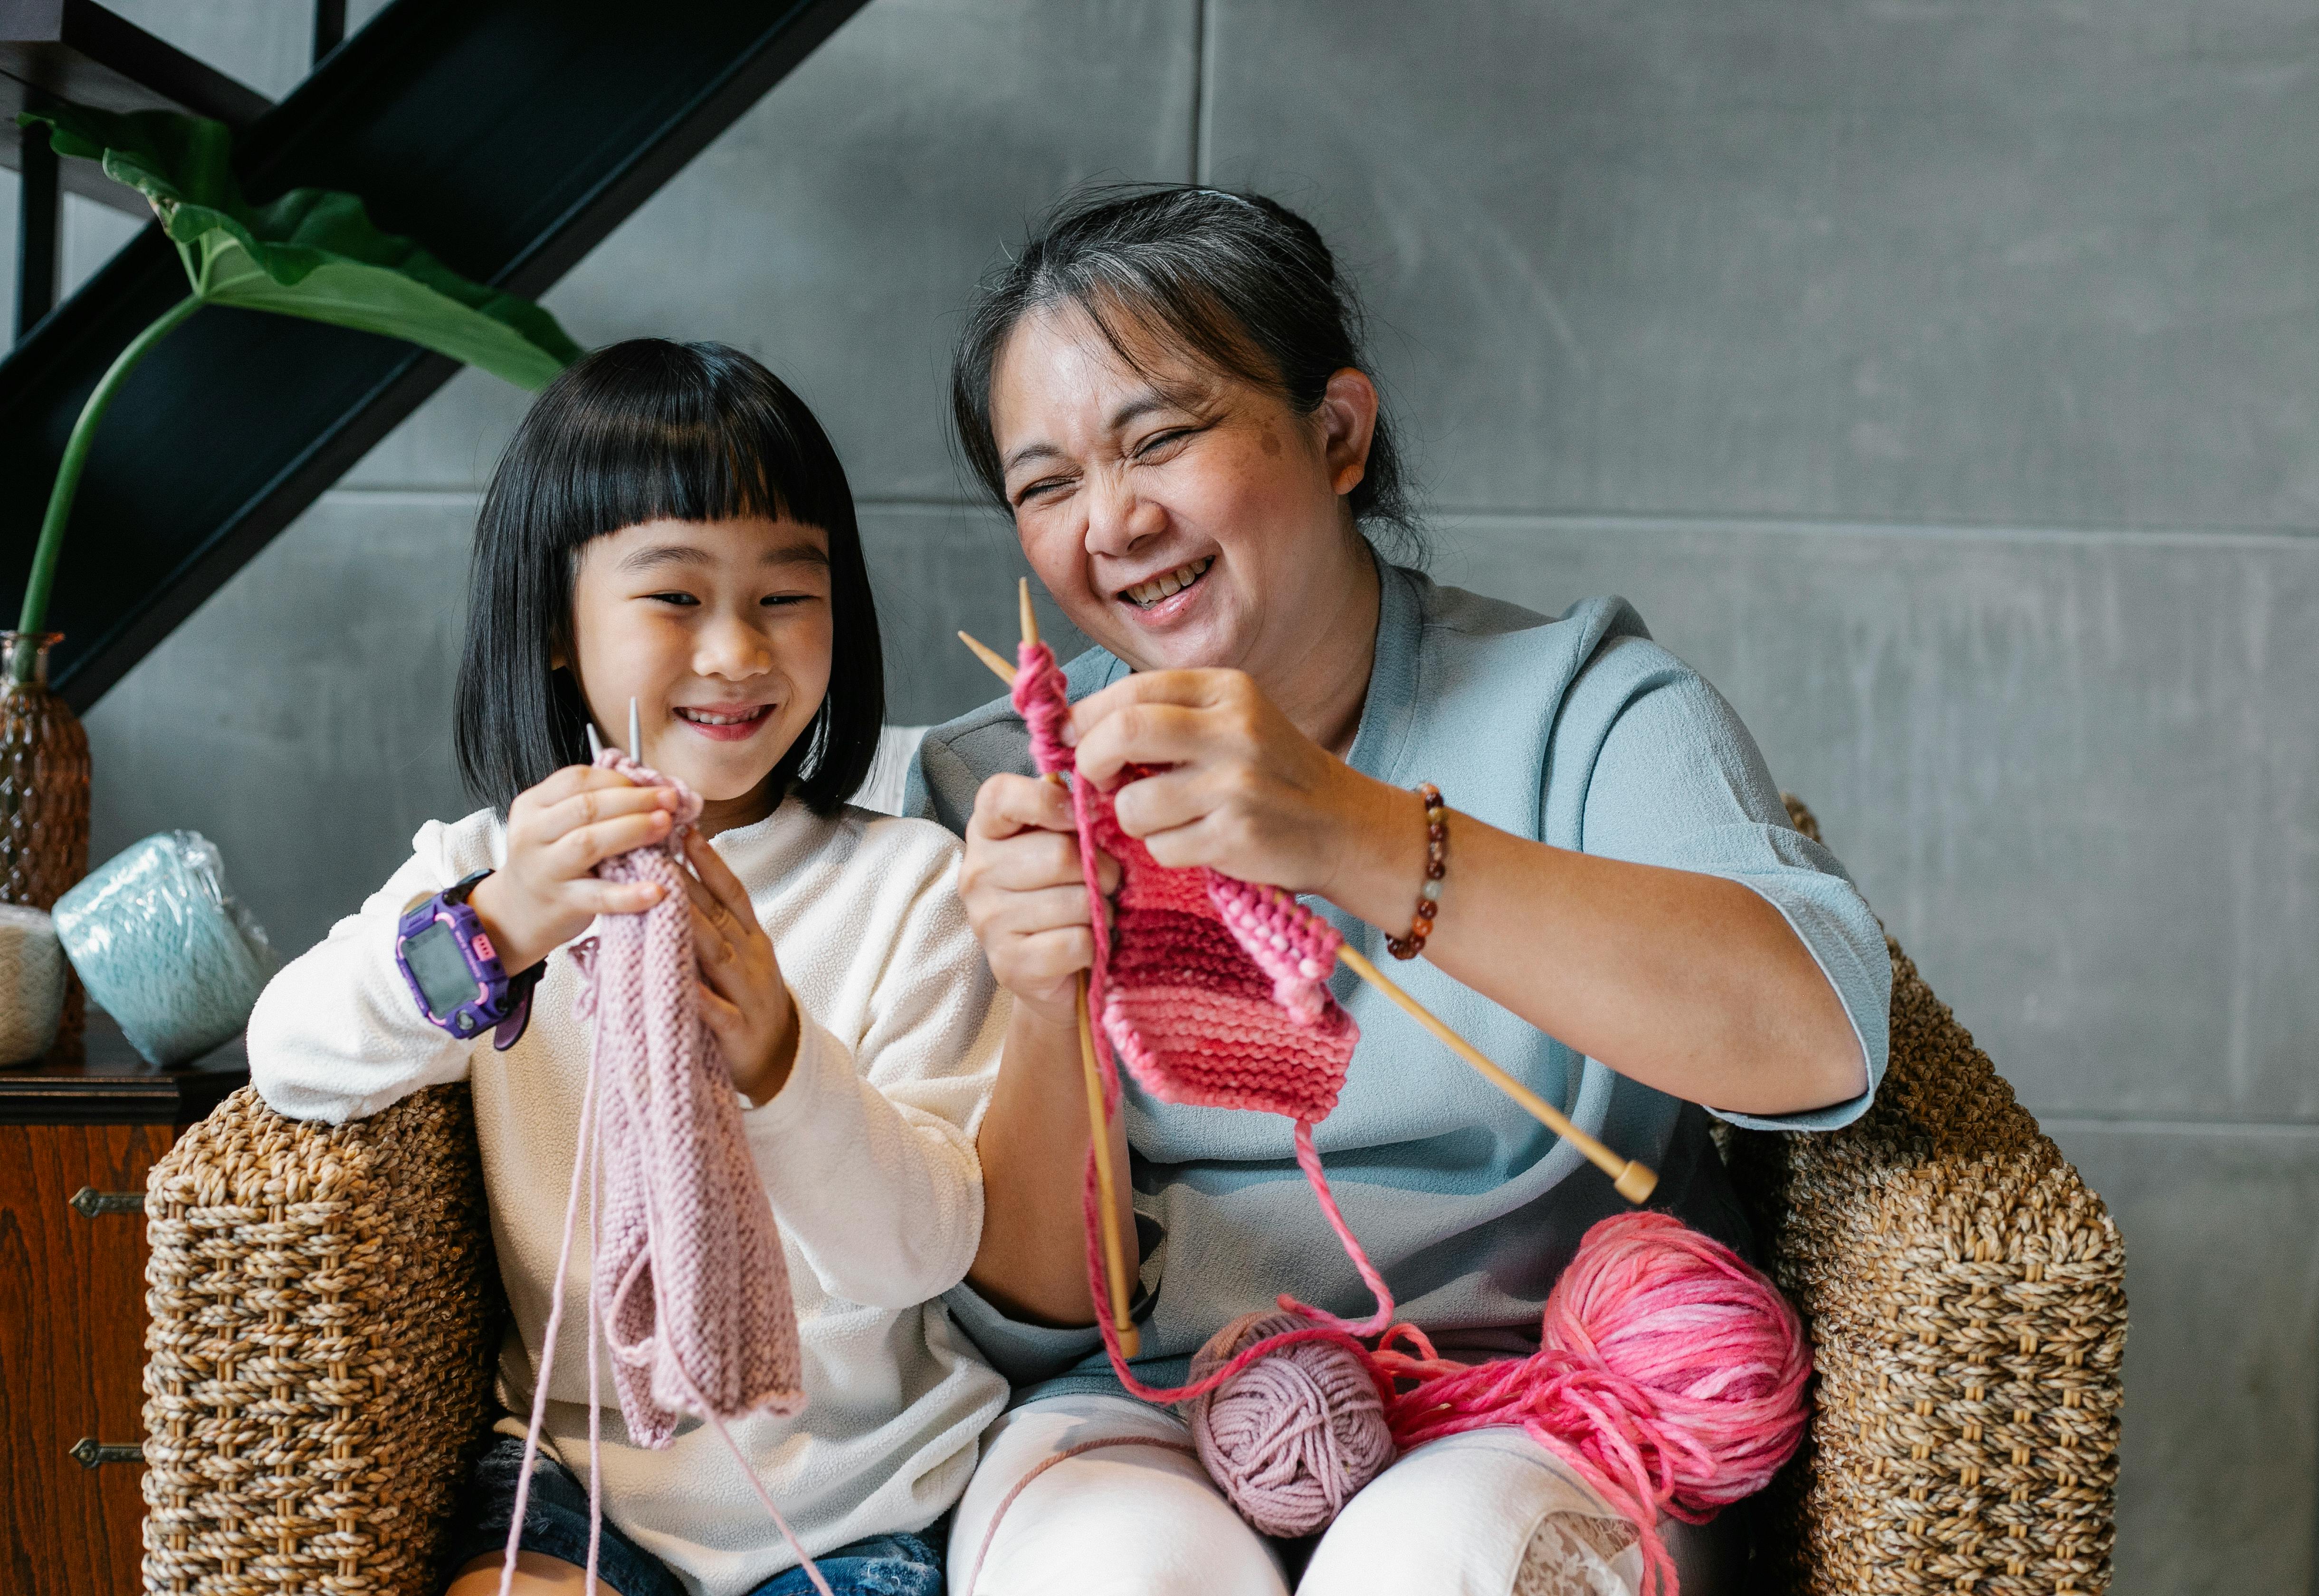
(89, 1202)
(89, 1452)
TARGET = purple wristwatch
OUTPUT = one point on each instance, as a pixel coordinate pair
(456, 973)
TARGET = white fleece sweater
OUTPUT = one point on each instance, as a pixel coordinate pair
(867, 1152)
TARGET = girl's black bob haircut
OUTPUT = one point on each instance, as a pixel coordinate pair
(642, 431)
(1238, 281)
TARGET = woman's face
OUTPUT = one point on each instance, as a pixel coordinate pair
(1180, 517)
(720, 632)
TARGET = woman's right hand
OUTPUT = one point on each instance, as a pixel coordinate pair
(558, 833)
(1024, 895)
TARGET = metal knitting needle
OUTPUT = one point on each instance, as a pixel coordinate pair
(635, 734)
(595, 744)
(1632, 1180)
(1098, 1124)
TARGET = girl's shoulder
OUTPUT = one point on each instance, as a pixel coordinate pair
(455, 848)
(848, 849)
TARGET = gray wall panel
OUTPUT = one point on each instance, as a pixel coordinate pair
(302, 718)
(2038, 263)
(939, 569)
(2075, 775)
(2222, 1404)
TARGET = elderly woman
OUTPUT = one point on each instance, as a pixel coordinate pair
(1166, 392)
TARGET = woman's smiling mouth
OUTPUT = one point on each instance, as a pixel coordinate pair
(1148, 595)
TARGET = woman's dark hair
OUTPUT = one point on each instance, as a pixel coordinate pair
(642, 431)
(1237, 281)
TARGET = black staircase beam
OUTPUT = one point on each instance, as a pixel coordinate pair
(38, 209)
(509, 136)
(76, 50)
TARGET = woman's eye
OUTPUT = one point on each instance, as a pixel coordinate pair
(1042, 488)
(1160, 443)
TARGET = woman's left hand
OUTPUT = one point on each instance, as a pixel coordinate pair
(1245, 792)
(744, 999)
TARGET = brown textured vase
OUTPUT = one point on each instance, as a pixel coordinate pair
(44, 798)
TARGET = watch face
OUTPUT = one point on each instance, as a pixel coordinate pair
(435, 959)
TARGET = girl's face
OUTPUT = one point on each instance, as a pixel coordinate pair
(721, 631)
(1181, 519)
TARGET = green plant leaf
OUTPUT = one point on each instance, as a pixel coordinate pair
(312, 253)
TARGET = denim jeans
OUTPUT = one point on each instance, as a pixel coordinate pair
(555, 1524)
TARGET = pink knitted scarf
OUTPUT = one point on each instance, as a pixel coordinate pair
(687, 1278)
(1215, 992)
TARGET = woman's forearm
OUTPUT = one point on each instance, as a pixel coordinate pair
(1033, 1145)
(1690, 983)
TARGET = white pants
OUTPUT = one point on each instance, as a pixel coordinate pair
(1129, 1511)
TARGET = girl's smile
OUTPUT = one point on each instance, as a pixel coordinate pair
(725, 723)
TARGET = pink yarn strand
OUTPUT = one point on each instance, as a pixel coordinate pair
(548, 1341)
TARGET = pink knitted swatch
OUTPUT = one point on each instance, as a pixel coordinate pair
(1215, 992)
(687, 1276)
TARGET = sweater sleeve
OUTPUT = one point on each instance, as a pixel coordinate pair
(335, 1035)
(1677, 780)
(868, 1149)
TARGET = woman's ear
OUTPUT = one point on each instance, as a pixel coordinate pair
(1348, 414)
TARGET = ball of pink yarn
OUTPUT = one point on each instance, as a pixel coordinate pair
(1293, 1435)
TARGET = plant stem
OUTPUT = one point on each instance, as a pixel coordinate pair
(60, 497)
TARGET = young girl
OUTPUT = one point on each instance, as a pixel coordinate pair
(670, 526)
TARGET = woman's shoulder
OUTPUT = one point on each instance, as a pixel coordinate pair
(1498, 647)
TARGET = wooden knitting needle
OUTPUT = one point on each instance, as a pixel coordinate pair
(1098, 1124)
(1631, 1180)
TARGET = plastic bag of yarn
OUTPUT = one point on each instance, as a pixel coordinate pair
(32, 983)
(163, 948)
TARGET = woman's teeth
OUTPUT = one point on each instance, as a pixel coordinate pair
(1146, 594)
(711, 718)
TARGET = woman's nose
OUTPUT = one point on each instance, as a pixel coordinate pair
(1118, 519)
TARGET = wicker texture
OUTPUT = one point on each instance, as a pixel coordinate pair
(323, 1301)
(1966, 1298)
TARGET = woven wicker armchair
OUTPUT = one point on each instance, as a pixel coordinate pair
(325, 1310)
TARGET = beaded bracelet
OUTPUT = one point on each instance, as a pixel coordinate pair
(1436, 864)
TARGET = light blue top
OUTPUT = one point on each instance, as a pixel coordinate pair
(1580, 732)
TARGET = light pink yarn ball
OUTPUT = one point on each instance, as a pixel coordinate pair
(1293, 1435)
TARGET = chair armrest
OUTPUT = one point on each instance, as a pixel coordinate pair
(1965, 1292)
(323, 1305)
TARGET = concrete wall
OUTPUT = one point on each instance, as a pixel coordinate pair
(1937, 376)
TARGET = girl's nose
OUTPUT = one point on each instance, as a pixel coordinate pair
(733, 650)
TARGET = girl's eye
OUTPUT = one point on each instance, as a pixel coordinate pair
(676, 598)
(783, 601)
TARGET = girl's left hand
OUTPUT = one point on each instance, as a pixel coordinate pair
(1245, 792)
(744, 999)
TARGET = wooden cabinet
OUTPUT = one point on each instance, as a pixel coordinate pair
(76, 1142)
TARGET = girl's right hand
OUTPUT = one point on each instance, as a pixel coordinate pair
(558, 833)
(1024, 895)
